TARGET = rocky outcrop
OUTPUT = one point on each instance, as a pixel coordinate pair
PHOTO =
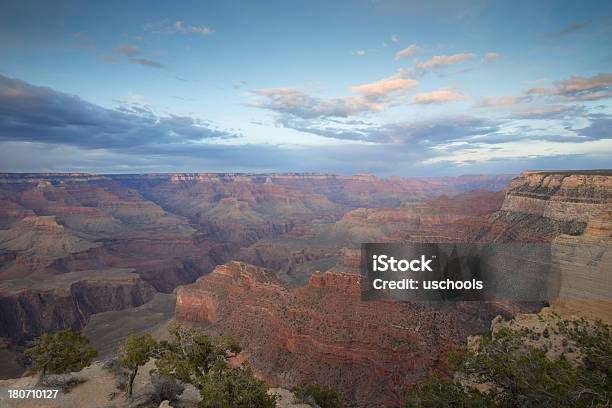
(66, 301)
(369, 350)
(42, 236)
(572, 212)
(538, 206)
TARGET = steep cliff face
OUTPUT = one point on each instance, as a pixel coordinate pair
(66, 301)
(572, 211)
(322, 332)
(581, 271)
(541, 205)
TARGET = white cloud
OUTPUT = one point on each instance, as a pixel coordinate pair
(395, 38)
(178, 26)
(204, 30)
(443, 60)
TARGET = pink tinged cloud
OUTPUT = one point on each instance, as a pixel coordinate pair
(548, 110)
(578, 83)
(301, 104)
(578, 88)
(439, 96)
(385, 87)
(406, 52)
(491, 102)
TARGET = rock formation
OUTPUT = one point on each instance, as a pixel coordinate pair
(581, 270)
(370, 350)
(30, 307)
(541, 205)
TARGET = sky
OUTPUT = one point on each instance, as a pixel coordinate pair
(404, 88)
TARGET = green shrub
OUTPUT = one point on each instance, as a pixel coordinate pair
(322, 396)
(519, 375)
(60, 353)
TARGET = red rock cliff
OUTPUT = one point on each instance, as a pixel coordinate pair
(371, 351)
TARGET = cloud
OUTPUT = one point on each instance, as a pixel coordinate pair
(42, 115)
(406, 52)
(438, 61)
(578, 88)
(107, 58)
(439, 96)
(599, 128)
(572, 28)
(45, 130)
(204, 30)
(240, 84)
(493, 102)
(549, 112)
(394, 38)
(297, 103)
(146, 62)
(178, 26)
(423, 133)
(359, 53)
(373, 97)
(489, 57)
(385, 87)
(129, 50)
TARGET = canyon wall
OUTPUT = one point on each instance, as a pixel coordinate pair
(322, 332)
(30, 308)
(538, 206)
(582, 271)
(572, 212)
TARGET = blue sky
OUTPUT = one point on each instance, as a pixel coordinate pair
(389, 87)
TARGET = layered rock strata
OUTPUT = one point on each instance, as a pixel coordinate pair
(371, 351)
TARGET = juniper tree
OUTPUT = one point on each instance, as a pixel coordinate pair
(61, 352)
(516, 374)
(135, 352)
(194, 358)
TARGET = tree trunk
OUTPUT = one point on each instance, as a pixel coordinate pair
(40, 376)
(131, 381)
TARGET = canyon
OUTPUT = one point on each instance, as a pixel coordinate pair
(323, 331)
(273, 260)
(61, 234)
